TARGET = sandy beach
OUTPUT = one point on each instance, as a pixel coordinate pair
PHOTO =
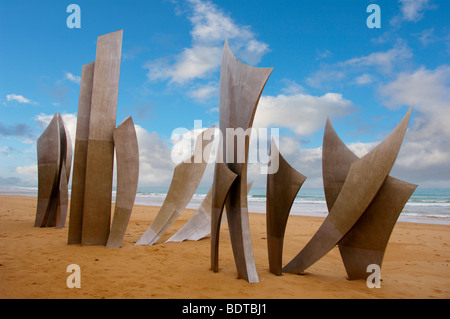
(33, 263)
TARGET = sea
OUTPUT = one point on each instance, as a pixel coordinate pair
(426, 205)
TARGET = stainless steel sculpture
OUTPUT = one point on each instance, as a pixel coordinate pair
(223, 179)
(96, 138)
(186, 178)
(127, 154)
(363, 181)
(366, 242)
(282, 188)
(240, 89)
(100, 151)
(80, 154)
(66, 164)
(199, 225)
(48, 156)
(54, 151)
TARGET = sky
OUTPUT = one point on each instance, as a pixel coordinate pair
(327, 62)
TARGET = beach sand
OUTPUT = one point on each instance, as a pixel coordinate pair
(33, 262)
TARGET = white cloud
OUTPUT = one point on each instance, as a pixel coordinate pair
(73, 78)
(323, 54)
(210, 27)
(302, 113)
(429, 93)
(425, 153)
(18, 98)
(326, 74)
(155, 166)
(288, 145)
(413, 10)
(364, 79)
(426, 36)
(7, 150)
(29, 173)
(383, 60)
(43, 119)
(360, 149)
(157, 159)
(292, 87)
(364, 67)
(307, 161)
(204, 92)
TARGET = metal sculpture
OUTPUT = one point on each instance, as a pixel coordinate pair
(282, 188)
(366, 242)
(363, 181)
(186, 178)
(100, 150)
(199, 225)
(240, 89)
(48, 156)
(96, 138)
(223, 179)
(66, 163)
(54, 152)
(80, 155)
(127, 154)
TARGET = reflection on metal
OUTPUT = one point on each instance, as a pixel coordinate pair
(363, 181)
(100, 150)
(199, 225)
(366, 242)
(186, 178)
(282, 187)
(127, 154)
(54, 151)
(240, 89)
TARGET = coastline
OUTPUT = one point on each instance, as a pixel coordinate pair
(419, 209)
(34, 261)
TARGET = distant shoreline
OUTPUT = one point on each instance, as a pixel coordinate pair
(416, 211)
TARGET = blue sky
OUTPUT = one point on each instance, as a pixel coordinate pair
(326, 61)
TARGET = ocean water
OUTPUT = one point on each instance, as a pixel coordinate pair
(426, 205)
